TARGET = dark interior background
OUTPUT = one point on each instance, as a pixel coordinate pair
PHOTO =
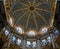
(57, 16)
(2, 15)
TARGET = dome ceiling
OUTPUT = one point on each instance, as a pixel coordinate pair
(29, 16)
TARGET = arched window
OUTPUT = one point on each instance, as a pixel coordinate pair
(28, 44)
(6, 32)
(49, 39)
(44, 30)
(31, 33)
(19, 30)
(34, 44)
(11, 21)
(19, 42)
(56, 32)
(13, 38)
(44, 42)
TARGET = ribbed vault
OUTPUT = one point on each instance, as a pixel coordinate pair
(30, 17)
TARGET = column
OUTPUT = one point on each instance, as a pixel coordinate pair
(52, 39)
(57, 46)
(7, 44)
(39, 44)
(9, 36)
(24, 44)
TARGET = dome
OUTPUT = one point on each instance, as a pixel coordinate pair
(30, 17)
(30, 24)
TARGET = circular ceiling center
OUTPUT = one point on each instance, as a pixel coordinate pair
(31, 7)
